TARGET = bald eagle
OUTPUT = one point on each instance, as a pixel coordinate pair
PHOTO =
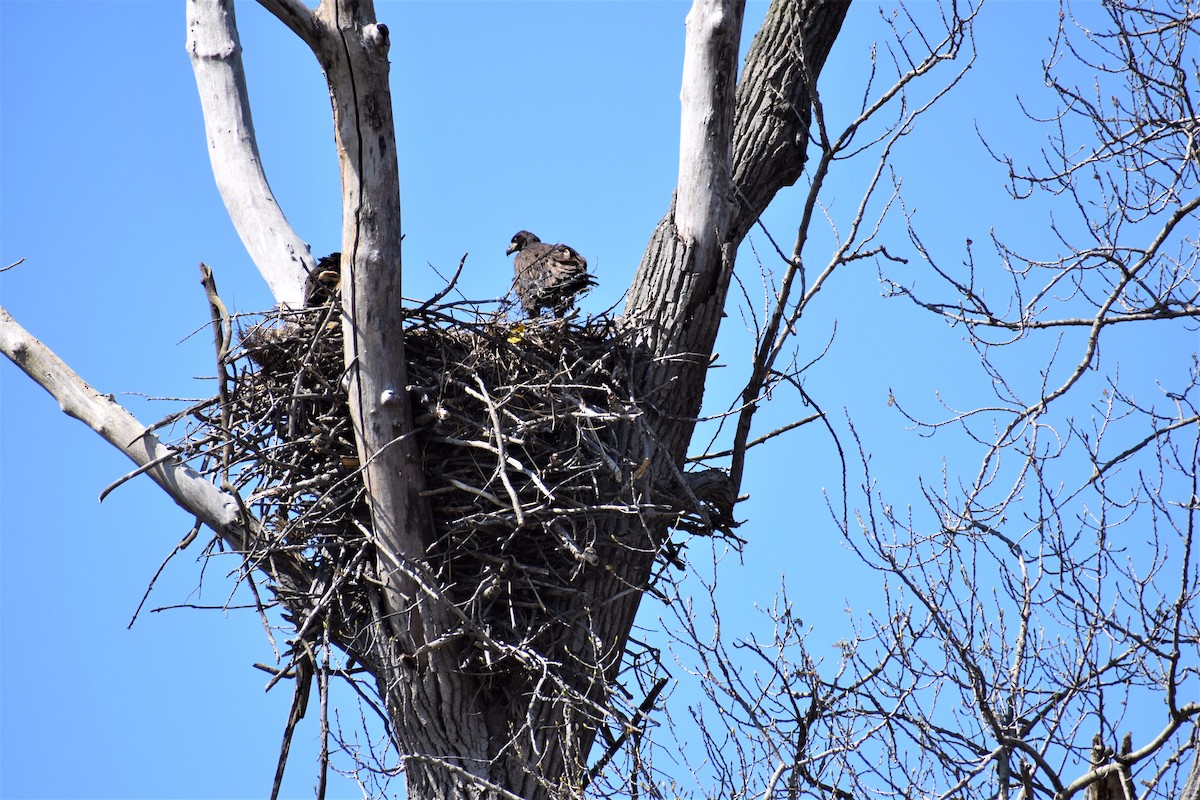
(547, 275)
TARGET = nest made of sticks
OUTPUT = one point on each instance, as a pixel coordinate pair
(529, 434)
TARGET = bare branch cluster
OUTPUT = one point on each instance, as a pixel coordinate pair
(1122, 162)
(1039, 629)
(1052, 654)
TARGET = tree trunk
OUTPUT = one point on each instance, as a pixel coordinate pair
(466, 736)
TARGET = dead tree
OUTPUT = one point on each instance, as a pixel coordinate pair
(472, 712)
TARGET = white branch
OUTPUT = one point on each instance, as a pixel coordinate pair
(280, 255)
(352, 48)
(218, 510)
(704, 201)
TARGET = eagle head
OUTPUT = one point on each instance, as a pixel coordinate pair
(519, 241)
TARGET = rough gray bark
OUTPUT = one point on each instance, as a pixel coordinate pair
(1191, 789)
(774, 103)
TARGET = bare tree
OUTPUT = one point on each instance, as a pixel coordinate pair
(1040, 636)
(491, 627)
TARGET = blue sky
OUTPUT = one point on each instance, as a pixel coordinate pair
(559, 117)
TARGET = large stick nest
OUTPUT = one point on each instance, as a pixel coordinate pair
(530, 435)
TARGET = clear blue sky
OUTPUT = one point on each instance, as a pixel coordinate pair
(105, 190)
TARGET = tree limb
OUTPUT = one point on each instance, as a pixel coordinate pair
(282, 257)
(298, 17)
(217, 509)
(770, 145)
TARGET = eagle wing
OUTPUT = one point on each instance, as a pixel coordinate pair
(549, 276)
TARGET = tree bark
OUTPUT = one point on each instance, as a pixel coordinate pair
(774, 101)
(435, 711)
(1191, 787)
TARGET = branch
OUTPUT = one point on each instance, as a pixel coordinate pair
(218, 510)
(704, 195)
(281, 256)
(298, 17)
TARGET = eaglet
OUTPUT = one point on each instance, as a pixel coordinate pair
(324, 282)
(547, 275)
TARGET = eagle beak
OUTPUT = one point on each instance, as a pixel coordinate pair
(512, 248)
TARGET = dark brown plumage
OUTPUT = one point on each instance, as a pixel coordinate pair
(547, 275)
(324, 281)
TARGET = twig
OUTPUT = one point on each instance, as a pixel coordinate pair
(187, 540)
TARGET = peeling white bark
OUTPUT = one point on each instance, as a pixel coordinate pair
(281, 256)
